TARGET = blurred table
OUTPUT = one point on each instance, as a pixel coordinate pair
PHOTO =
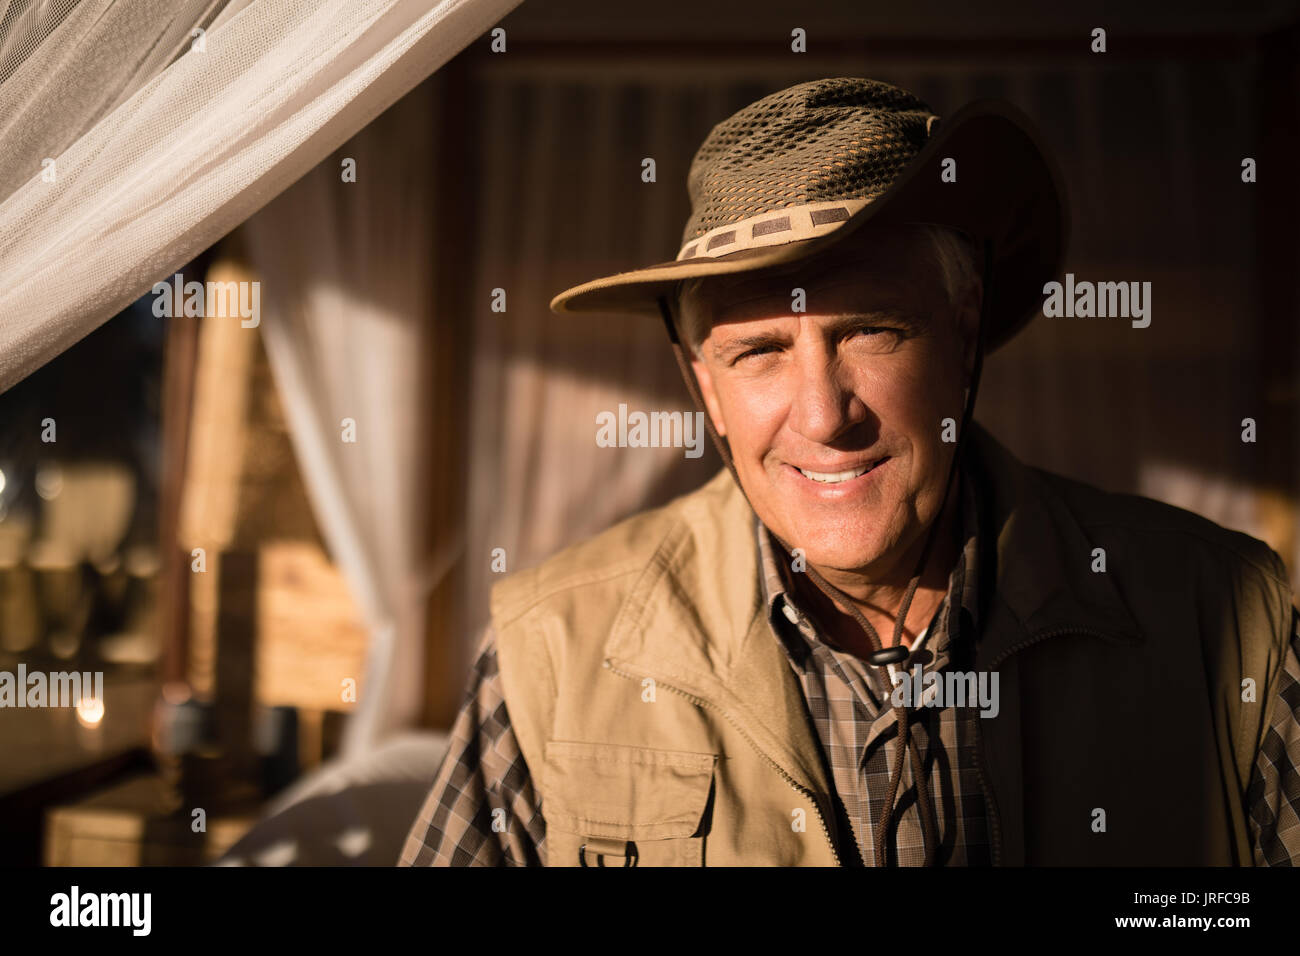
(136, 823)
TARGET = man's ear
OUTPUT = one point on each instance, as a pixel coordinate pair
(709, 395)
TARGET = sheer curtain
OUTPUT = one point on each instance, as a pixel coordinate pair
(131, 143)
(348, 305)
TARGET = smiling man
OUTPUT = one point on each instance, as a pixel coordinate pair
(794, 664)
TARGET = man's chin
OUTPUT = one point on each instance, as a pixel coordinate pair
(861, 564)
(843, 556)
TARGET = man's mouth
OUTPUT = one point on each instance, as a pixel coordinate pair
(838, 477)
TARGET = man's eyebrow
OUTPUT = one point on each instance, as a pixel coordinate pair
(745, 342)
(909, 316)
(838, 322)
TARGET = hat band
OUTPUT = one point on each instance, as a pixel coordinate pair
(773, 228)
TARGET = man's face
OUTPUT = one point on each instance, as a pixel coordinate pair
(835, 415)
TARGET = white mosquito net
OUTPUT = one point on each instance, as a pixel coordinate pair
(134, 134)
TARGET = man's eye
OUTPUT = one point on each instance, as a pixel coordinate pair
(759, 350)
(877, 335)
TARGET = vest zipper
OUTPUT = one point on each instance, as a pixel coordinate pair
(980, 756)
(794, 784)
(989, 800)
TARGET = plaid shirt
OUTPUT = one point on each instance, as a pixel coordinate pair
(483, 810)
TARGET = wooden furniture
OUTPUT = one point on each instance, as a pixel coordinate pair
(137, 823)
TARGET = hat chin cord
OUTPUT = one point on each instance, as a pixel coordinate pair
(880, 656)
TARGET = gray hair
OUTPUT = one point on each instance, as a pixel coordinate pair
(957, 258)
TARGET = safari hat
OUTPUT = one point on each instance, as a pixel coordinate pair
(794, 173)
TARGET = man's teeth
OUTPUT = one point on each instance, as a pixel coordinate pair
(835, 476)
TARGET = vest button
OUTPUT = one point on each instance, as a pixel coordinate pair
(790, 613)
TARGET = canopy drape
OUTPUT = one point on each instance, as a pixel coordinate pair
(159, 142)
(347, 314)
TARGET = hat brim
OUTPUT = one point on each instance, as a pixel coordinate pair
(1007, 189)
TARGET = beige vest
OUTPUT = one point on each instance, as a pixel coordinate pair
(662, 723)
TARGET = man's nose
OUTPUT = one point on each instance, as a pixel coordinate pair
(824, 405)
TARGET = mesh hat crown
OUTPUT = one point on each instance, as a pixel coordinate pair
(812, 145)
(798, 171)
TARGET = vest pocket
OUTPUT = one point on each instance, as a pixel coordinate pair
(628, 806)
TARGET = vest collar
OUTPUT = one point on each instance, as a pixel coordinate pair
(694, 622)
(1042, 555)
